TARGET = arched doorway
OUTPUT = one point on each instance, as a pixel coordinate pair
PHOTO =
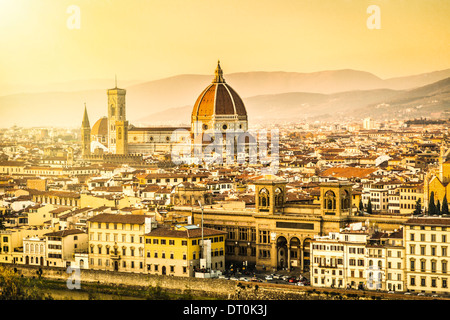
(163, 270)
(306, 254)
(295, 252)
(116, 265)
(282, 253)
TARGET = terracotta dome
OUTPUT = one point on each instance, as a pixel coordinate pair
(100, 128)
(219, 99)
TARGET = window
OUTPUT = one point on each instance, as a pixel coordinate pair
(423, 281)
(184, 243)
(433, 282)
(422, 250)
(422, 265)
(243, 234)
(231, 234)
(412, 265)
(263, 236)
(433, 265)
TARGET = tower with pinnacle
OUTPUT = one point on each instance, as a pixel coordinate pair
(85, 134)
(117, 123)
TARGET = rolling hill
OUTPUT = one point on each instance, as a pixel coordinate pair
(266, 94)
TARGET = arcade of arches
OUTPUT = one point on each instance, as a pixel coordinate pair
(293, 251)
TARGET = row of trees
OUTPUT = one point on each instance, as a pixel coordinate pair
(433, 208)
(437, 208)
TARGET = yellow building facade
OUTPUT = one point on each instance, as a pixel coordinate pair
(116, 242)
(427, 244)
(177, 251)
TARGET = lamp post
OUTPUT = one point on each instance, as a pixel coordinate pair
(201, 247)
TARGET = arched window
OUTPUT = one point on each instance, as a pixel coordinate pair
(278, 197)
(345, 199)
(264, 198)
(330, 200)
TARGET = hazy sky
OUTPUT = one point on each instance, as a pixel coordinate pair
(152, 39)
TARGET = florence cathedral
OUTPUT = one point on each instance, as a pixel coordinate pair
(218, 109)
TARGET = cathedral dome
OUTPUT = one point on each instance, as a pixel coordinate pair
(219, 99)
(100, 128)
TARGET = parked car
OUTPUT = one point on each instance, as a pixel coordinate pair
(285, 278)
(269, 277)
(276, 276)
(234, 278)
(292, 280)
(244, 279)
(300, 284)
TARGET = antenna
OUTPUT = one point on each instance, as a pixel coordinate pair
(201, 207)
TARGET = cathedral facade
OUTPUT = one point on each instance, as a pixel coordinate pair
(217, 110)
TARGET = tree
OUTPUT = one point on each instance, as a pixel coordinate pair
(444, 208)
(13, 287)
(438, 207)
(361, 206)
(369, 207)
(432, 210)
(418, 208)
(2, 225)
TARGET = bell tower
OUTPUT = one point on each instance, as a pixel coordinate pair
(117, 116)
(270, 195)
(336, 198)
(85, 134)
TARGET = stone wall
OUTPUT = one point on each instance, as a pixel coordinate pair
(217, 288)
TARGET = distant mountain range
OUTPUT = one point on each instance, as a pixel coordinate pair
(267, 96)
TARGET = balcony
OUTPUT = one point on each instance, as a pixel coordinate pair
(115, 256)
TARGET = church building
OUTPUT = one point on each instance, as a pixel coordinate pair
(217, 110)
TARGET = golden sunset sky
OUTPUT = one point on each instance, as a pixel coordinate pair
(153, 39)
